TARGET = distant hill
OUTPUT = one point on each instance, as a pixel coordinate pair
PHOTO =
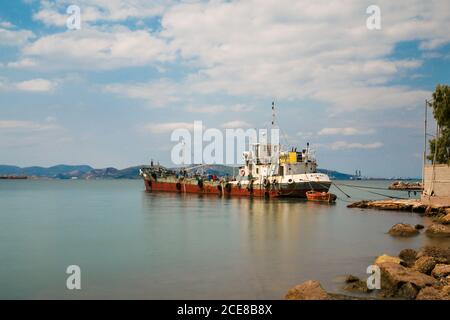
(45, 172)
(336, 175)
(87, 172)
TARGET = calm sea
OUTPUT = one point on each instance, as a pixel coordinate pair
(132, 244)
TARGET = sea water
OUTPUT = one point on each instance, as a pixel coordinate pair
(130, 244)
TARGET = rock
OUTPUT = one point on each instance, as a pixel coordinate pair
(309, 290)
(445, 219)
(359, 204)
(394, 276)
(430, 211)
(438, 230)
(409, 256)
(419, 227)
(385, 258)
(355, 284)
(350, 278)
(403, 230)
(424, 264)
(408, 291)
(446, 290)
(441, 271)
(413, 205)
(441, 255)
(430, 293)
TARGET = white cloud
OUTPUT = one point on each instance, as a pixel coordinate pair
(97, 49)
(342, 145)
(23, 63)
(157, 93)
(314, 50)
(304, 49)
(15, 38)
(348, 131)
(206, 109)
(6, 24)
(92, 11)
(21, 125)
(36, 85)
(236, 124)
(167, 126)
(213, 109)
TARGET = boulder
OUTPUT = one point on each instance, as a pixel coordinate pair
(354, 284)
(394, 276)
(403, 230)
(445, 219)
(438, 230)
(409, 256)
(441, 271)
(408, 291)
(445, 282)
(385, 258)
(309, 290)
(446, 290)
(441, 255)
(430, 293)
(424, 264)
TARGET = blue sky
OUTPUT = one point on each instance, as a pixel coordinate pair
(110, 93)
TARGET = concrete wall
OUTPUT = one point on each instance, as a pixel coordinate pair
(437, 192)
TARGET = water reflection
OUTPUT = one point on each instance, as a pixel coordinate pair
(256, 248)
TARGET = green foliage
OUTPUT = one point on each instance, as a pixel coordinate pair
(441, 105)
(441, 112)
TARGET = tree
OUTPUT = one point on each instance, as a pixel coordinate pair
(441, 112)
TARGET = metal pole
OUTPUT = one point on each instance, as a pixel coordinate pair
(424, 144)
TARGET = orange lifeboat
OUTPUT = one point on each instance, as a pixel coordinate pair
(320, 196)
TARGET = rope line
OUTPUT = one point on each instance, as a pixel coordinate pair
(379, 194)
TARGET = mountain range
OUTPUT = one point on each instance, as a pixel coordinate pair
(63, 171)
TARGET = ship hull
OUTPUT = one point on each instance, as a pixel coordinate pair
(287, 190)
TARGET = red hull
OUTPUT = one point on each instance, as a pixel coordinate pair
(208, 189)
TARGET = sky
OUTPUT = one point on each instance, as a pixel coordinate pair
(111, 92)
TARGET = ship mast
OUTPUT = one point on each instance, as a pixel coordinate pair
(273, 114)
(275, 149)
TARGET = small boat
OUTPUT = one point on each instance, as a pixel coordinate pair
(320, 196)
(13, 177)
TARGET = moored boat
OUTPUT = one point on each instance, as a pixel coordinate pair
(267, 172)
(320, 196)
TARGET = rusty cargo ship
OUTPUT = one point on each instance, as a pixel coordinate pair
(267, 172)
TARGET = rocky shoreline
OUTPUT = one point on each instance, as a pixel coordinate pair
(411, 205)
(412, 275)
(422, 274)
(408, 186)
